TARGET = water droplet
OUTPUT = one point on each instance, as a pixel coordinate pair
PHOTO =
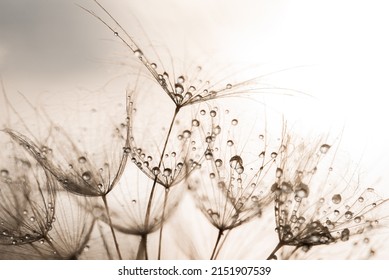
(4, 172)
(215, 216)
(208, 155)
(212, 175)
(262, 154)
(217, 129)
(186, 134)
(261, 137)
(212, 113)
(86, 176)
(126, 150)
(254, 198)
(361, 199)
(301, 193)
(348, 215)
(133, 201)
(179, 88)
(345, 234)
(336, 212)
(156, 170)
(153, 65)
(32, 219)
(279, 172)
(236, 163)
(218, 162)
(234, 122)
(180, 79)
(208, 139)
(195, 123)
(81, 159)
(230, 143)
(336, 199)
(25, 212)
(188, 95)
(116, 33)
(324, 148)
(273, 155)
(228, 86)
(301, 220)
(167, 172)
(138, 53)
(357, 219)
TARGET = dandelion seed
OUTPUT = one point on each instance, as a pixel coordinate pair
(26, 192)
(304, 223)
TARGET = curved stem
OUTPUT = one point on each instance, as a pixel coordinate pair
(111, 226)
(148, 210)
(216, 244)
(279, 246)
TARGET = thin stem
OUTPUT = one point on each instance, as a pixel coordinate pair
(279, 246)
(105, 244)
(142, 252)
(162, 223)
(111, 227)
(148, 210)
(221, 244)
(216, 243)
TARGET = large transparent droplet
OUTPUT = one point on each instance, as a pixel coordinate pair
(336, 199)
(86, 176)
(236, 163)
